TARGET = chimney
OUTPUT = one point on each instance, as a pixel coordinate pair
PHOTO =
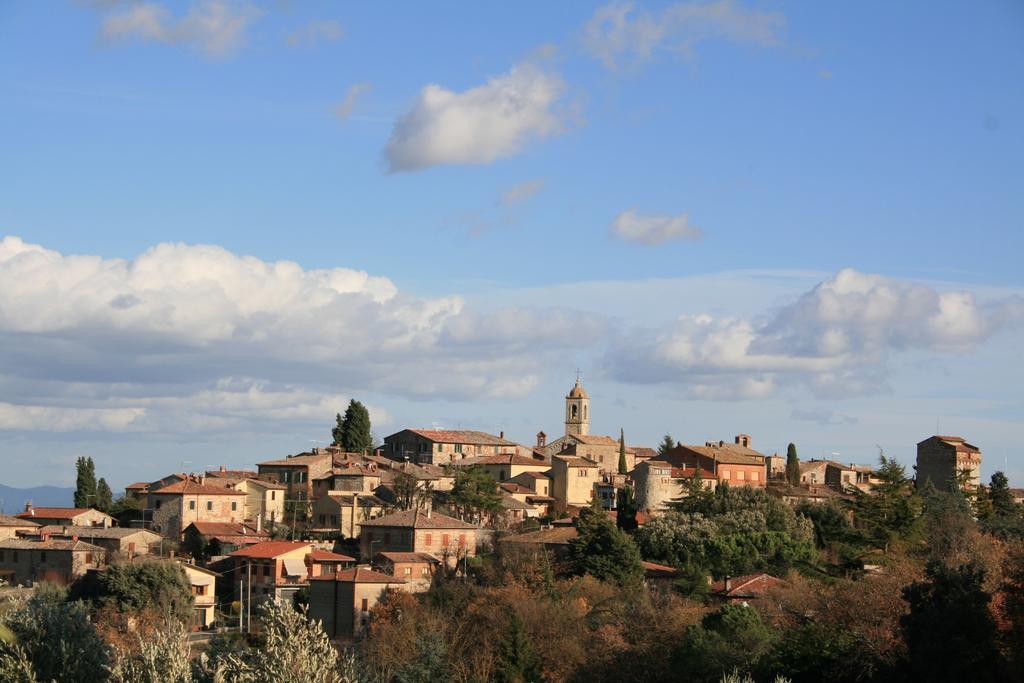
(222, 469)
(743, 440)
(202, 479)
(542, 439)
(28, 508)
(428, 513)
(259, 522)
(728, 584)
(352, 522)
(501, 435)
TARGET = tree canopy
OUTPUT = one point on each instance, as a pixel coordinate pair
(352, 431)
(792, 465)
(85, 483)
(604, 551)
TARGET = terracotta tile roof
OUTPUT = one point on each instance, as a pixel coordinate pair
(269, 549)
(409, 558)
(326, 556)
(74, 546)
(227, 528)
(231, 474)
(749, 586)
(137, 485)
(510, 503)
(54, 513)
(643, 451)
(189, 487)
(7, 520)
(513, 487)
(464, 436)
(687, 472)
(93, 531)
(730, 454)
(577, 462)
(359, 575)
(343, 498)
(302, 459)
(596, 440)
(511, 459)
(958, 442)
(657, 571)
(418, 519)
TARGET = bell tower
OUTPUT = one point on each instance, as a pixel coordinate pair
(577, 410)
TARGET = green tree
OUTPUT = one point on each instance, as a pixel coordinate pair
(1004, 519)
(292, 649)
(104, 496)
(667, 444)
(893, 508)
(85, 483)
(949, 630)
(475, 494)
(517, 660)
(792, 465)
(56, 638)
(160, 658)
(999, 494)
(406, 488)
(430, 663)
(352, 432)
(158, 584)
(623, 466)
(625, 504)
(731, 638)
(604, 551)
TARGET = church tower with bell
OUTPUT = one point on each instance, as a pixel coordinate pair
(577, 409)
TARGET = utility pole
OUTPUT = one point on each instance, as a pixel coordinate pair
(241, 605)
(248, 601)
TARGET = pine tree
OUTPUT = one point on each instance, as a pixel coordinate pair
(518, 661)
(666, 445)
(104, 496)
(625, 517)
(339, 430)
(352, 432)
(85, 483)
(792, 465)
(623, 467)
(999, 494)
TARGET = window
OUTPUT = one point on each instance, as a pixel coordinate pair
(209, 505)
(366, 604)
(445, 540)
(582, 472)
(427, 539)
(462, 540)
(440, 447)
(426, 571)
(458, 448)
(191, 505)
(234, 506)
(157, 505)
(741, 475)
(273, 495)
(131, 547)
(725, 474)
(407, 571)
(755, 476)
(88, 558)
(574, 412)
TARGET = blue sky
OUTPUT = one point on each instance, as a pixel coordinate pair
(796, 220)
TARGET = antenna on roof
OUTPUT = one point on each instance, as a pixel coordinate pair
(578, 375)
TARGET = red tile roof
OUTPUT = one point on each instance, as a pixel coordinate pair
(228, 529)
(418, 520)
(190, 488)
(409, 558)
(326, 556)
(269, 549)
(658, 571)
(359, 575)
(54, 513)
(751, 585)
(466, 436)
(7, 520)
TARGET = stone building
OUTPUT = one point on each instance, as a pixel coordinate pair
(573, 480)
(416, 531)
(342, 602)
(941, 459)
(297, 472)
(658, 482)
(176, 506)
(277, 570)
(735, 464)
(264, 500)
(124, 542)
(12, 527)
(68, 516)
(344, 513)
(204, 595)
(25, 562)
(443, 446)
(417, 569)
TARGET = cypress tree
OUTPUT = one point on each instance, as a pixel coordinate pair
(85, 483)
(338, 430)
(623, 468)
(792, 465)
(104, 496)
(518, 661)
(354, 429)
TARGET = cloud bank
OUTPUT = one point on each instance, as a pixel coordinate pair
(621, 37)
(215, 27)
(631, 226)
(477, 126)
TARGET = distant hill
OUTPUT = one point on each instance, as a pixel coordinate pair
(13, 499)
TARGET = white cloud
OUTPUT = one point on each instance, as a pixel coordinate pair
(344, 108)
(477, 126)
(521, 192)
(154, 343)
(835, 339)
(215, 27)
(621, 37)
(315, 32)
(633, 227)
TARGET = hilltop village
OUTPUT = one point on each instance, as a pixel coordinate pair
(344, 534)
